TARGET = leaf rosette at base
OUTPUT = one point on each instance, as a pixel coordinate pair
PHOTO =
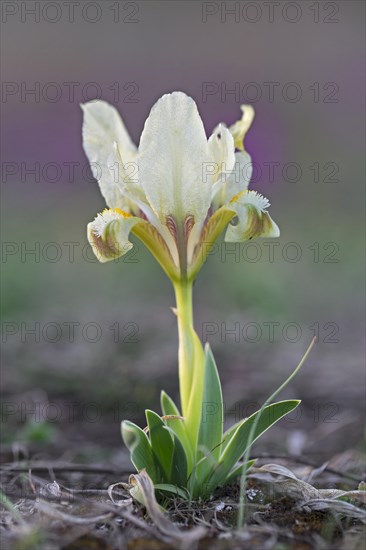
(164, 448)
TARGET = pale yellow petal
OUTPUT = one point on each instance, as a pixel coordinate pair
(222, 155)
(241, 127)
(236, 182)
(172, 152)
(108, 234)
(106, 141)
(252, 219)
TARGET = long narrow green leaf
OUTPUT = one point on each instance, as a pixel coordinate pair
(193, 412)
(161, 442)
(229, 434)
(237, 470)
(172, 489)
(178, 470)
(178, 426)
(197, 482)
(210, 431)
(140, 449)
(243, 479)
(239, 441)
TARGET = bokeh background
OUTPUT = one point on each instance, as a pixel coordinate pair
(104, 338)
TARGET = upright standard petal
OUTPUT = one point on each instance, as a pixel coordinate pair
(222, 156)
(239, 177)
(236, 181)
(108, 234)
(106, 142)
(172, 152)
(252, 219)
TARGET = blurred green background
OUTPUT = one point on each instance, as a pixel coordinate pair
(274, 297)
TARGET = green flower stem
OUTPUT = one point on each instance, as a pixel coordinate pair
(191, 361)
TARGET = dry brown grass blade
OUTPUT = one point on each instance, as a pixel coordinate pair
(339, 506)
(121, 502)
(281, 479)
(143, 491)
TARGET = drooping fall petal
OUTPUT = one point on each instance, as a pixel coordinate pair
(252, 218)
(108, 234)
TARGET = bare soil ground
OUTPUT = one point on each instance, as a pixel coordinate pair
(53, 502)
